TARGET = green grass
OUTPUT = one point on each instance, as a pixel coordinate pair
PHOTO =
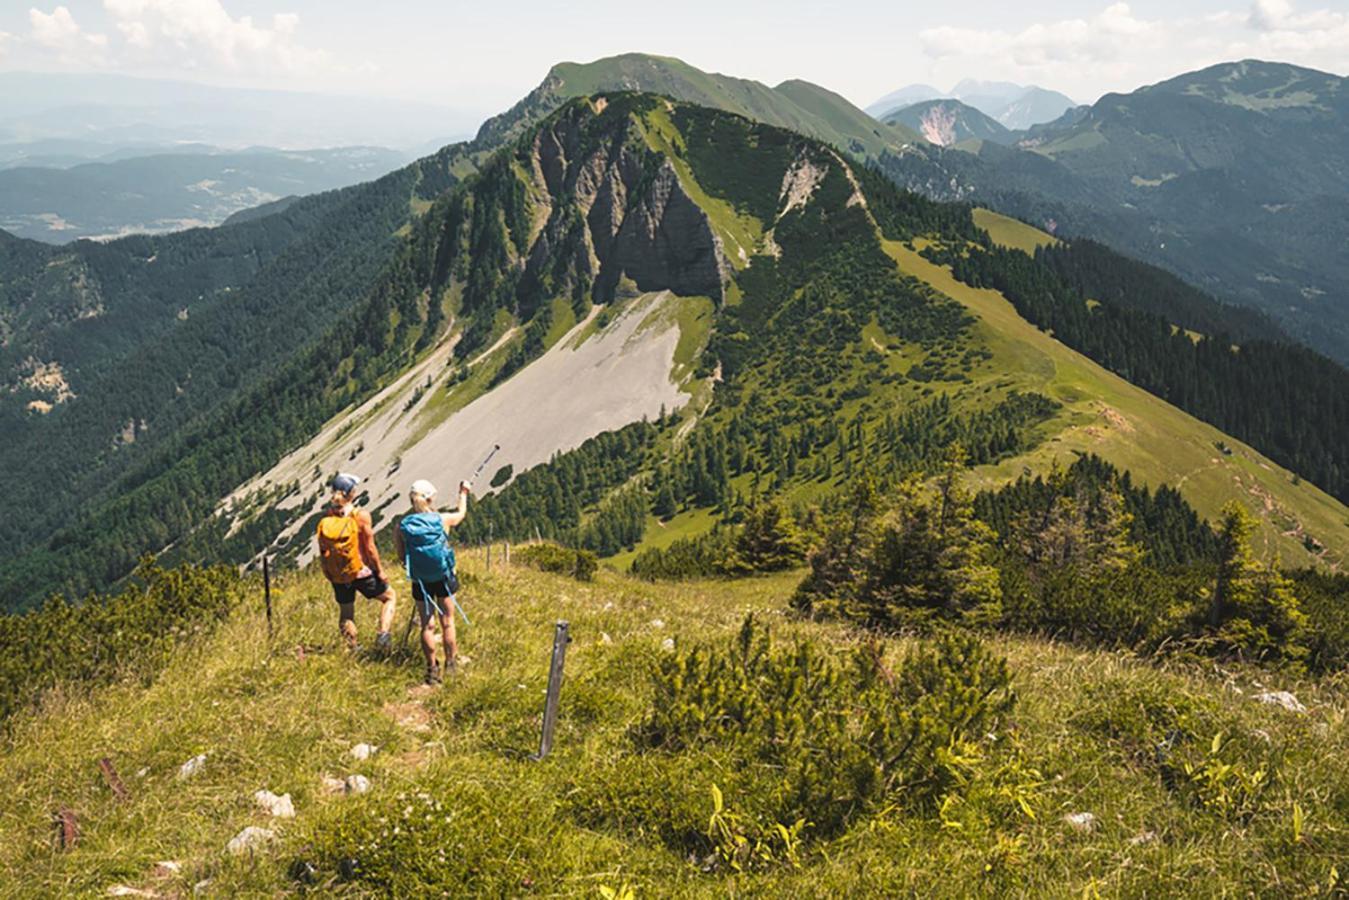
(1158, 443)
(268, 719)
(1012, 233)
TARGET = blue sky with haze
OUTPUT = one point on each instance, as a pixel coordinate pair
(481, 56)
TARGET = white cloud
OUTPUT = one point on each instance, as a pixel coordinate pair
(59, 32)
(201, 32)
(1105, 35)
(1281, 30)
(1116, 48)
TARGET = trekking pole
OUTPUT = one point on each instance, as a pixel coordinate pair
(482, 465)
(267, 593)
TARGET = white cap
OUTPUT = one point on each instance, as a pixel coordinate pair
(424, 488)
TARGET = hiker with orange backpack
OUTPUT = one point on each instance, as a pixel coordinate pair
(422, 542)
(350, 560)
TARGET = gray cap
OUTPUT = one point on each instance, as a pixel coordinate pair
(345, 483)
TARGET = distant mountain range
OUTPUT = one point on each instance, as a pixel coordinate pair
(1235, 177)
(121, 111)
(171, 191)
(1013, 106)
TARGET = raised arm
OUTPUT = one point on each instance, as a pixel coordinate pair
(452, 519)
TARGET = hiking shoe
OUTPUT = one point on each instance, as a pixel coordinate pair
(433, 674)
(384, 641)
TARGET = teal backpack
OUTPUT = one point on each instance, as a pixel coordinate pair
(427, 551)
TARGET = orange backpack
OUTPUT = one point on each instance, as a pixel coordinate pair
(340, 547)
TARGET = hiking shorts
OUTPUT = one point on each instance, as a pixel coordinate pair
(369, 586)
(431, 594)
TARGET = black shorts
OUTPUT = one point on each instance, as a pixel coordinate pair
(369, 586)
(429, 594)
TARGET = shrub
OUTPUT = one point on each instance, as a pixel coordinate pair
(806, 739)
(130, 633)
(579, 564)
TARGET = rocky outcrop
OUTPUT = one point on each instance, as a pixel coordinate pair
(617, 213)
(666, 243)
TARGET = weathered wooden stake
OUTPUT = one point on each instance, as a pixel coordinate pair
(113, 779)
(67, 829)
(267, 593)
(560, 641)
(489, 556)
(507, 558)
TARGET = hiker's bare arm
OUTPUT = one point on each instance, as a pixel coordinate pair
(452, 519)
(369, 552)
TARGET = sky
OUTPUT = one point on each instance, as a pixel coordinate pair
(482, 56)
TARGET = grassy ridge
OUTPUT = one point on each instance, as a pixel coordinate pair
(1135, 430)
(268, 719)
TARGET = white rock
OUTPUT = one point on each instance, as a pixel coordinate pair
(1282, 698)
(363, 751)
(1083, 821)
(605, 639)
(121, 890)
(192, 766)
(1143, 837)
(168, 867)
(667, 645)
(249, 839)
(279, 807)
(357, 784)
(657, 623)
(201, 887)
(332, 785)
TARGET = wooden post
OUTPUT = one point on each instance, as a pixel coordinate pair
(507, 557)
(560, 641)
(113, 779)
(67, 829)
(267, 592)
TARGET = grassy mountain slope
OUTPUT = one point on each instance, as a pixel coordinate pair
(267, 716)
(1159, 444)
(795, 105)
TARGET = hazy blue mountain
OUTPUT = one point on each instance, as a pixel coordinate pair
(905, 96)
(121, 110)
(171, 191)
(1014, 106)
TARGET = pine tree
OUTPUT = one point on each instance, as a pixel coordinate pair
(1253, 610)
(769, 542)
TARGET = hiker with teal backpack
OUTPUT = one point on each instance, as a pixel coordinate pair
(422, 541)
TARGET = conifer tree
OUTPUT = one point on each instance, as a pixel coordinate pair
(1253, 610)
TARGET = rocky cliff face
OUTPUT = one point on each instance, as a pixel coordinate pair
(605, 210)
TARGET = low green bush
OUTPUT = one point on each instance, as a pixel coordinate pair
(579, 563)
(130, 633)
(753, 750)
